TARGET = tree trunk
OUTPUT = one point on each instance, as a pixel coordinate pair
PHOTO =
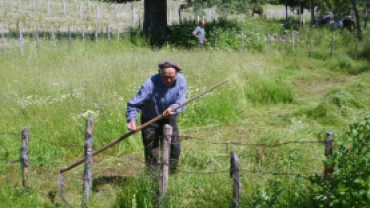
(359, 31)
(155, 21)
(313, 20)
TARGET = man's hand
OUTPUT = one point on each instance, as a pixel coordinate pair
(131, 126)
(168, 112)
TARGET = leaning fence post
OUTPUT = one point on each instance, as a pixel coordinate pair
(2, 38)
(24, 155)
(163, 179)
(310, 52)
(234, 174)
(88, 175)
(328, 170)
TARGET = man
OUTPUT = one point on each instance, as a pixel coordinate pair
(200, 34)
(159, 95)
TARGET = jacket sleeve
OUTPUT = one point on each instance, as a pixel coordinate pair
(181, 96)
(135, 105)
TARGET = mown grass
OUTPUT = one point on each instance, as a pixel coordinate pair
(270, 97)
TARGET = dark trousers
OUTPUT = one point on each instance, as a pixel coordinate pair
(152, 137)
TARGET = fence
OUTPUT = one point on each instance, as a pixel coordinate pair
(15, 41)
(163, 176)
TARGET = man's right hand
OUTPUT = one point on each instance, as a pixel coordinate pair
(131, 126)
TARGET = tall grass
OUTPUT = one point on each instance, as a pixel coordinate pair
(269, 98)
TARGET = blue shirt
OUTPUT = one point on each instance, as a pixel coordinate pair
(201, 34)
(154, 97)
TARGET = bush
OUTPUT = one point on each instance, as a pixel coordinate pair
(349, 184)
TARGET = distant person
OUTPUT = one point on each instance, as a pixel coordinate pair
(159, 95)
(200, 34)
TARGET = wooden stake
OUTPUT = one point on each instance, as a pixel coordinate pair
(53, 36)
(328, 170)
(21, 41)
(37, 37)
(234, 174)
(24, 155)
(163, 179)
(69, 37)
(2, 38)
(332, 44)
(88, 174)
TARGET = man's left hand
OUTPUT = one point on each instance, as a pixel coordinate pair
(168, 112)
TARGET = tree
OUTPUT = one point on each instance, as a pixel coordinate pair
(155, 21)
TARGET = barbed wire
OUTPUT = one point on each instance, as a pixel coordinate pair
(252, 144)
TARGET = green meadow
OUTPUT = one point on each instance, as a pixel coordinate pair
(272, 96)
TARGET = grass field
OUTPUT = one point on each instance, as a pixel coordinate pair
(271, 97)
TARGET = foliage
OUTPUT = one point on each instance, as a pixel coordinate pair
(349, 184)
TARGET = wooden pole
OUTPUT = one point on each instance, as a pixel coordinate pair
(24, 155)
(83, 34)
(356, 45)
(332, 44)
(268, 43)
(48, 6)
(108, 33)
(88, 174)
(33, 5)
(310, 52)
(118, 34)
(37, 37)
(115, 10)
(163, 179)
(64, 8)
(81, 11)
(96, 33)
(328, 170)
(21, 41)
(19, 5)
(243, 44)
(293, 43)
(53, 36)
(69, 37)
(97, 13)
(2, 38)
(234, 174)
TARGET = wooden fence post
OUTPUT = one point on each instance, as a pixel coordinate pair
(332, 44)
(83, 34)
(163, 179)
(37, 37)
(88, 174)
(21, 41)
(310, 52)
(53, 36)
(48, 6)
(2, 38)
(328, 170)
(234, 174)
(268, 43)
(69, 37)
(24, 155)
(356, 45)
(81, 11)
(96, 33)
(293, 43)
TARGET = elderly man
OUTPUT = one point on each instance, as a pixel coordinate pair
(200, 34)
(159, 95)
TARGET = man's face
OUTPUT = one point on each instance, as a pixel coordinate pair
(203, 23)
(168, 76)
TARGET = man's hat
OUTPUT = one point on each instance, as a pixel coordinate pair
(169, 64)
